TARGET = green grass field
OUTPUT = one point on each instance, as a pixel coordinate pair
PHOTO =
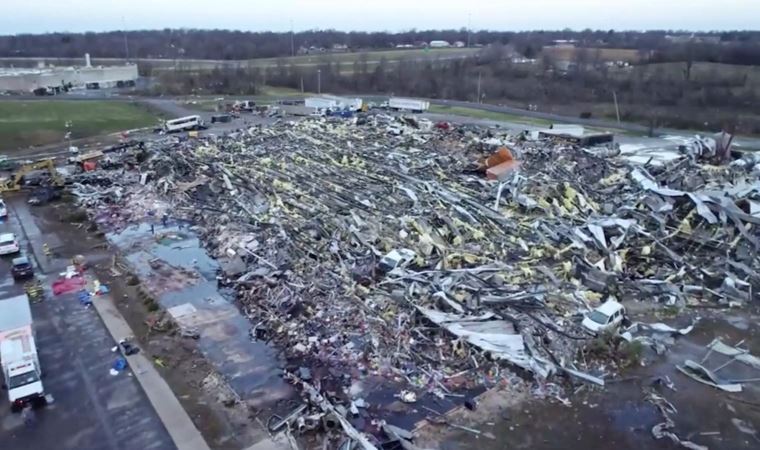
(487, 115)
(266, 96)
(40, 122)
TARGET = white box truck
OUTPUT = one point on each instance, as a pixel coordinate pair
(323, 103)
(334, 103)
(298, 110)
(18, 354)
(408, 104)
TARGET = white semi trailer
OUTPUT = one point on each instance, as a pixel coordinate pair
(408, 104)
(322, 103)
(18, 354)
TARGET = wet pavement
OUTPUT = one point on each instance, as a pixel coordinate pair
(92, 409)
(180, 275)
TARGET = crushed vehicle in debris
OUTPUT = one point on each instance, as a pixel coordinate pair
(607, 317)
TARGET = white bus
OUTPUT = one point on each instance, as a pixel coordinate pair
(183, 124)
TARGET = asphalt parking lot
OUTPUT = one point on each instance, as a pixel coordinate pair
(92, 409)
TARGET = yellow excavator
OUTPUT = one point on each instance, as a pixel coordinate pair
(14, 182)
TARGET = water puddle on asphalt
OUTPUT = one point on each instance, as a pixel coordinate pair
(174, 268)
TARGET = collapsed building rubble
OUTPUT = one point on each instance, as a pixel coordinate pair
(382, 250)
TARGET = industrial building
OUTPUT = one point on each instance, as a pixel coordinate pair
(334, 102)
(57, 79)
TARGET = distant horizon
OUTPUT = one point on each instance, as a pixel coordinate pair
(413, 30)
(392, 16)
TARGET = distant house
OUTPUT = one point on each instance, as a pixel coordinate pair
(439, 44)
(685, 38)
(564, 42)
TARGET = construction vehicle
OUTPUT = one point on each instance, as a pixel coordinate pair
(80, 158)
(14, 182)
(244, 105)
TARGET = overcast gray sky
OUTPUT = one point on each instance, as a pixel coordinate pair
(39, 16)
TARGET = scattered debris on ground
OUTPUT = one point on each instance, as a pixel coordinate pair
(663, 430)
(392, 253)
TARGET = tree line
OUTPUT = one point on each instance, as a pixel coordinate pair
(659, 95)
(732, 47)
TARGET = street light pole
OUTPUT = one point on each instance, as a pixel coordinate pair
(319, 81)
(292, 39)
(479, 78)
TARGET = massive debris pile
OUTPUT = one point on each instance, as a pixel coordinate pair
(381, 249)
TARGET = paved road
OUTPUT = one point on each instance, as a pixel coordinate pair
(93, 410)
(172, 108)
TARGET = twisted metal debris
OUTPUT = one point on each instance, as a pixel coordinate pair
(381, 250)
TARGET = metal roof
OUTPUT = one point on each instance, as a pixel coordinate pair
(15, 313)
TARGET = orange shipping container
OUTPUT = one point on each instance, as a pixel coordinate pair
(501, 155)
(501, 171)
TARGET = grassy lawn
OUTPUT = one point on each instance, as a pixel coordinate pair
(487, 115)
(40, 122)
(266, 96)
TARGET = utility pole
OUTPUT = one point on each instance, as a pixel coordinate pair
(469, 28)
(617, 109)
(292, 39)
(126, 44)
(319, 81)
(68, 125)
(302, 84)
(479, 79)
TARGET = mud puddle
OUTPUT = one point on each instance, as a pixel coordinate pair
(180, 275)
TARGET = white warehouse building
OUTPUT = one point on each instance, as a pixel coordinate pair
(28, 80)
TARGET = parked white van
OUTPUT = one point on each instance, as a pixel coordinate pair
(608, 316)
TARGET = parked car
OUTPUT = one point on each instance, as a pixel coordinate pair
(3, 209)
(608, 316)
(43, 195)
(21, 268)
(8, 244)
